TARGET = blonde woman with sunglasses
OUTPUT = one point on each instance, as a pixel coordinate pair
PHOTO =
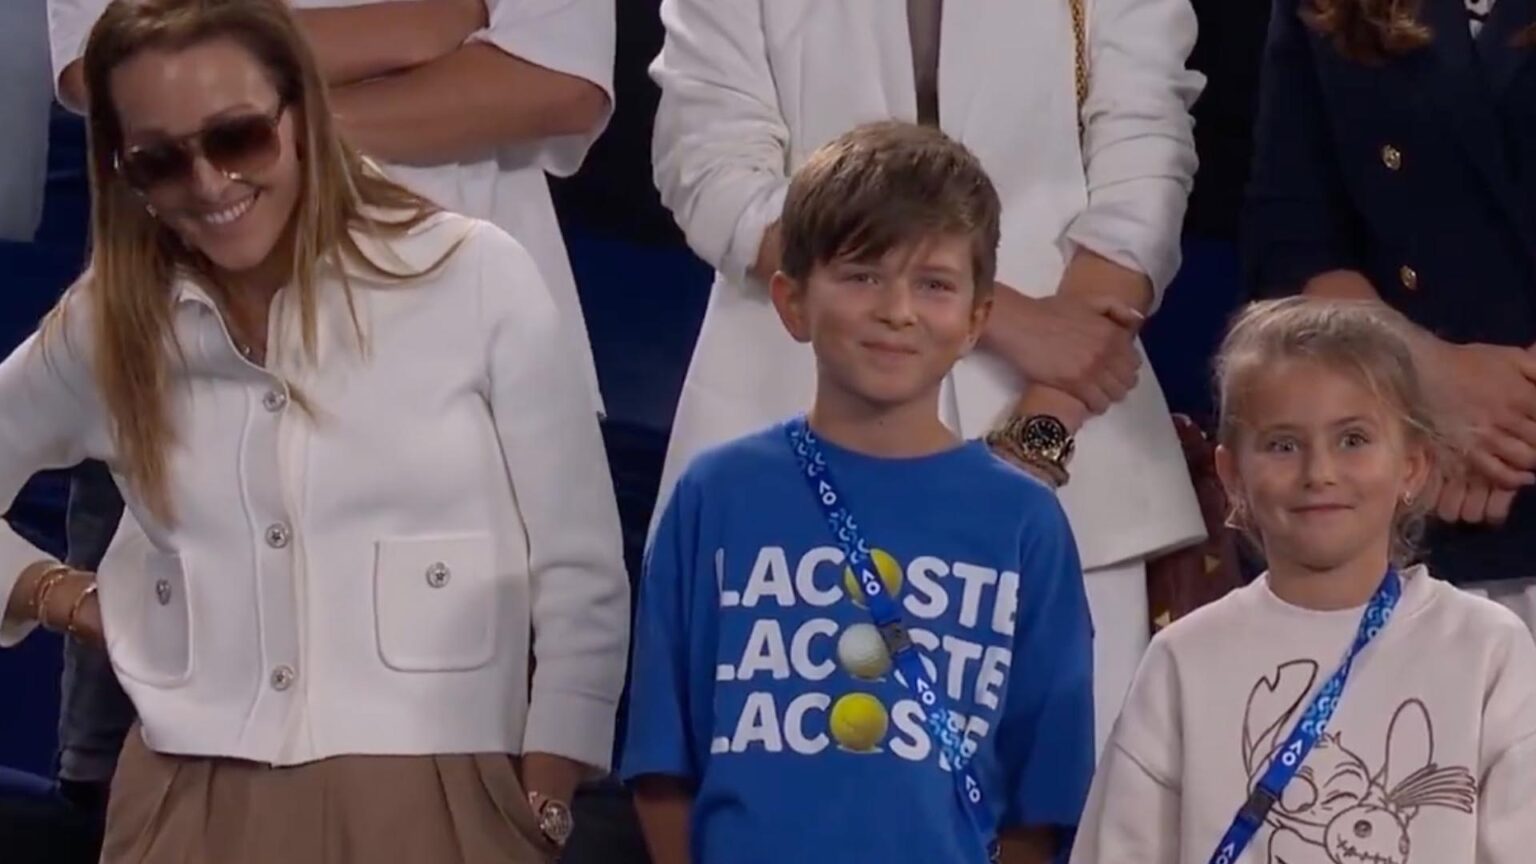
(468, 102)
(370, 604)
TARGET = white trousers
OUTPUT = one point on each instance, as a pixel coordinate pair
(1117, 597)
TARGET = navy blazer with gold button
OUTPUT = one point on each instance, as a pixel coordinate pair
(1419, 172)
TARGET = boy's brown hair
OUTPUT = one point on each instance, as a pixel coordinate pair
(883, 185)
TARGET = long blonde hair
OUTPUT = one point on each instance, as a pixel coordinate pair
(134, 259)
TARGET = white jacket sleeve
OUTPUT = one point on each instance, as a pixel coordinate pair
(1133, 808)
(577, 37)
(69, 28)
(547, 427)
(721, 146)
(1139, 144)
(43, 417)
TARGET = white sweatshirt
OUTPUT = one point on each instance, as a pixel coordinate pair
(1430, 758)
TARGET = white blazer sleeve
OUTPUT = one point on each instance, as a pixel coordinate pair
(577, 37)
(1139, 144)
(721, 145)
(69, 27)
(43, 416)
(547, 427)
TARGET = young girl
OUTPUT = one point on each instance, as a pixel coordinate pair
(1392, 162)
(1344, 708)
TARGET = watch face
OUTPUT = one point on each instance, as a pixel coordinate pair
(1045, 432)
(556, 822)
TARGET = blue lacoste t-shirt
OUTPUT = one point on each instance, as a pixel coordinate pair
(757, 678)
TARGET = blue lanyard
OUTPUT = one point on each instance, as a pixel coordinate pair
(1314, 722)
(945, 726)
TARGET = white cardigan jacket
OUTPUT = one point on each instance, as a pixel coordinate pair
(365, 579)
(751, 87)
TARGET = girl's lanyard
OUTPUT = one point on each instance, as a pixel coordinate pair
(943, 724)
(1314, 722)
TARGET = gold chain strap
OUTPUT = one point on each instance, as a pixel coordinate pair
(1080, 41)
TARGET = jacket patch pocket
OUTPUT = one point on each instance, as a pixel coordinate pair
(436, 602)
(149, 622)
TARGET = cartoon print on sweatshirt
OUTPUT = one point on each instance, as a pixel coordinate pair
(1339, 808)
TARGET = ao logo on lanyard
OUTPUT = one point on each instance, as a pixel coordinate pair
(1314, 722)
(945, 725)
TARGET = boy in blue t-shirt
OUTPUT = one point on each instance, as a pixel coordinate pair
(766, 722)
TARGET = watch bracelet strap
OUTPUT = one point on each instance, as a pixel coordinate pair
(1057, 472)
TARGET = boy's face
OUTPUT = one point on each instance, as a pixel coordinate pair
(886, 331)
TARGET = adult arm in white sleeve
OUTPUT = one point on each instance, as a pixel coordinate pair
(720, 151)
(44, 400)
(576, 38)
(534, 86)
(69, 26)
(547, 427)
(1138, 144)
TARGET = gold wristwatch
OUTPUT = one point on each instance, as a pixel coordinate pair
(1039, 441)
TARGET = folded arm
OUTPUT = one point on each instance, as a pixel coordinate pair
(351, 43)
(721, 145)
(463, 106)
(1138, 142)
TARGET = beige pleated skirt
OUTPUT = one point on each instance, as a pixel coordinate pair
(454, 809)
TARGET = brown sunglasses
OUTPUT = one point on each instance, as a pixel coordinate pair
(235, 146)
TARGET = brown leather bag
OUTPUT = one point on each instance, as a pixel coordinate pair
(1186, 579)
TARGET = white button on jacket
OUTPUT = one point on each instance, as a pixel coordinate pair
(357, 567)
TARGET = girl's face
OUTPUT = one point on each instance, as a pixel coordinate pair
(211, 147)
(1322, 465)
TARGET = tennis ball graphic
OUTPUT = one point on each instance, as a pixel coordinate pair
(861, 652)
(858, 722)
(889, 570)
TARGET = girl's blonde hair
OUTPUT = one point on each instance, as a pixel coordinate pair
(1366, 341)
(127, 288)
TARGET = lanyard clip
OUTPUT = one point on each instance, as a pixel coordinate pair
(1256, 809)
(895, 637)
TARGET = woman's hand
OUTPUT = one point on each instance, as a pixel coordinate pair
(1461, 496)
(1490, 392)
(1084, 346)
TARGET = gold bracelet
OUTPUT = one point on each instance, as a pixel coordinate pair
(45, 585)
(74, 610)
(1057, 475)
